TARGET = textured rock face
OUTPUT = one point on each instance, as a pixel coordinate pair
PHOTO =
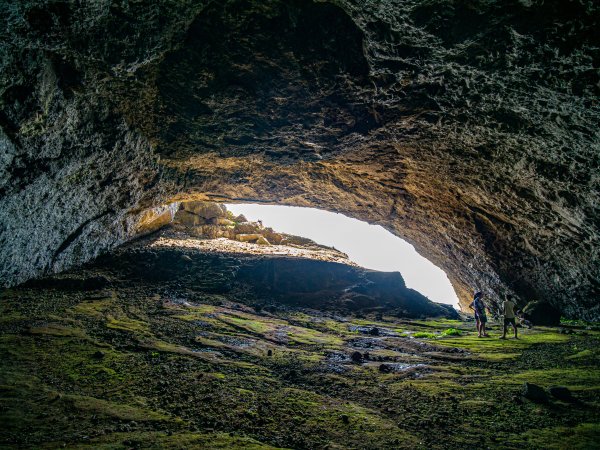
(263, 279)
(468, 128)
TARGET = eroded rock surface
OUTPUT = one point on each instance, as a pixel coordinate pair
(317, 278)
(467, 128)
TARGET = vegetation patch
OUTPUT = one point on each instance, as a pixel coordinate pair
(132, 371)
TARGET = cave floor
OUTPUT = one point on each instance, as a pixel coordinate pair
(131, 367)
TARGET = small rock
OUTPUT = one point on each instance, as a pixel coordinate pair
(186, 258)
(357, 357)
(345, 418)
(374, 331)
(270, 352)
(54, 397)
(385, 368)
(561, 393)
(224, 222)
(534, 393)
(262, 241)
(565, 331)
(98, 355)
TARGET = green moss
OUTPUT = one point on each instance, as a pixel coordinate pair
(152, 370)
(424, 335)
(438, 323)
(493, 344)
(452, 332)
(581, 437)
(251, 325)
(309, 336)
(93, 308)
(175, 441)
(346, 421)
(575, 378)
(111, 409)
(55, 329)
(584, 354)
(125, 323)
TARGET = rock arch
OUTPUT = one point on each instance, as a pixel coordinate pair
(477, 143)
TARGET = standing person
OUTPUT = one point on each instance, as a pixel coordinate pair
(508, 308)
(478, 306)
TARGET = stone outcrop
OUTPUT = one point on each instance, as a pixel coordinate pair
(467, 128)
(212, 220)
(267, 280)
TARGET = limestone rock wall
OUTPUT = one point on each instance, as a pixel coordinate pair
(467, 128)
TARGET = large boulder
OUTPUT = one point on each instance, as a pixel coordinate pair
(188, 219)
(206, 210)
(154, 219)
(534, 393)
(247, 228)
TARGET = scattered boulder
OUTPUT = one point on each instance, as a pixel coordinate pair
(542, 313)
(385, 368)
(357, 357)
(246, 228)
(98, 355)
(345, 418)
(153, 219)
(561, 393)
(534, 393)
(272, 236)
(262, 241)
(188, 219)
(374, 331)
(223, 221)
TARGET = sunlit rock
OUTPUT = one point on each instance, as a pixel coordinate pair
(205, 210)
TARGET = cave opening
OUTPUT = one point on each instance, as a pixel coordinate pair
(370, 246)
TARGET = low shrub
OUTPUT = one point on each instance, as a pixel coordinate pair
(451, 332)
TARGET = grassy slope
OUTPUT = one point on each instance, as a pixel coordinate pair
(135, 368)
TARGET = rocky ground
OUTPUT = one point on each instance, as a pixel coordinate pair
(121, 355)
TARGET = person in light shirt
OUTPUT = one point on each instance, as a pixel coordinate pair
(508, 309)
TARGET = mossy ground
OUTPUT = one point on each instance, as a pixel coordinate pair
(137, 367)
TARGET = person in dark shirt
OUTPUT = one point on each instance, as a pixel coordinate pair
(478, 306)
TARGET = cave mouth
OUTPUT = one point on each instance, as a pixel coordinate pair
(370, 246)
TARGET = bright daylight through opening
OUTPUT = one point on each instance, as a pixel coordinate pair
(370, 246)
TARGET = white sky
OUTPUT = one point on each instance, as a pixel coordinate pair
(370, 246)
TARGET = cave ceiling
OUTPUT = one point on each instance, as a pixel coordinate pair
(469, 128)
